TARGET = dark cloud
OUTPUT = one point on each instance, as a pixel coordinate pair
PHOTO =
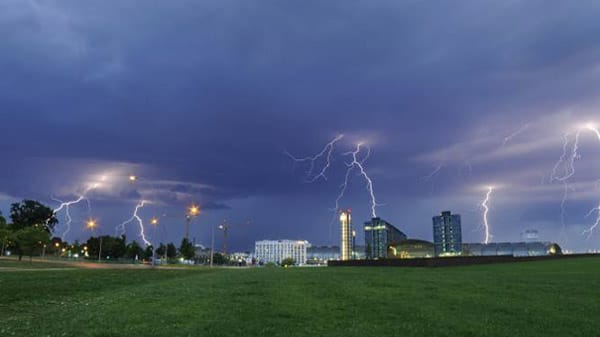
(207, 95)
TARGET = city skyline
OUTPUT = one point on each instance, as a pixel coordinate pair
(449, 115)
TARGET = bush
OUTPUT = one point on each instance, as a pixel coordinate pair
(288, 262)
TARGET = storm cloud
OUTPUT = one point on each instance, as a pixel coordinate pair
(200, 99)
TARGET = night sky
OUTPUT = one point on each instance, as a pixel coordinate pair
(201, 99)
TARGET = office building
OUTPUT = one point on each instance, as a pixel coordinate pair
(379, 235)
(275, 251)
(447, 236)
(516, 249)
(411, 249)
(346, 235)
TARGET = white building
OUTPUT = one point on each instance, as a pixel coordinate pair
(277, 250)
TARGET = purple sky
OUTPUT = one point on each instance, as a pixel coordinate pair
(200, 100)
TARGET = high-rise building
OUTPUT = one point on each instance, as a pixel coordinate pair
(346, 238)
(275, 251)
(447, 236)
(379, 236)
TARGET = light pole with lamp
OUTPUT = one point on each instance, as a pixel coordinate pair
(193, 212)
(212, 245)
(91, 225)
(154, 223)
(225, 228)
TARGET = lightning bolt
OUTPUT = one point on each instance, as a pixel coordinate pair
(121, 228)
(486, 210)
(433, 173)
(358, 164)
(65, 205)
(566, 164)
(594, 129)
(590, 230)
(508, 138)
(343, 188)
(326, 153)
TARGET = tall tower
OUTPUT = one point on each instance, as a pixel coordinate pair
(447, 236)
(346, 235)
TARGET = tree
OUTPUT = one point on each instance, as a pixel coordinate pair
(288, 261)
(118, 247)
(93, 244)
(112, 247)
(55, 246)
(187, 249)
(31, 239)
(134, 250)
(5, 234)
(148, 252)
(75, 248)
(219, 259)
(160, 251)
(171, 251)
(29, 213)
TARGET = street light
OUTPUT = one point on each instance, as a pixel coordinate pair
(154, 223)
(193, 212)
(91, 224)
(132, 178)
(225, 228)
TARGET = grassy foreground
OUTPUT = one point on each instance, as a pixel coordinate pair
(550, 298)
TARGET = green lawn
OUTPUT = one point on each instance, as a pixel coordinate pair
(12, 263)
(550, 298)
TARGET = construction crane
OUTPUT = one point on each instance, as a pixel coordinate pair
(224, 226)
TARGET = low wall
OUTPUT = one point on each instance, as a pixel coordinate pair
(450, 261)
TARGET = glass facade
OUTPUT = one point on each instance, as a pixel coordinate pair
(447, 235)
(379, 236)
(411, 249)
(517, 249)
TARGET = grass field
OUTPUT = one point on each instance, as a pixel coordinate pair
(549, 298)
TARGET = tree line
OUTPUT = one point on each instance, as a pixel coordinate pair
(29, 233)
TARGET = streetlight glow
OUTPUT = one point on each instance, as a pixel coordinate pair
(91, 224)
(194, 210)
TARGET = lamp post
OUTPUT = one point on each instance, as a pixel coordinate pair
(224, 227)
(212, 245)
(91, 225)
(193, 212)
(154, 223)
